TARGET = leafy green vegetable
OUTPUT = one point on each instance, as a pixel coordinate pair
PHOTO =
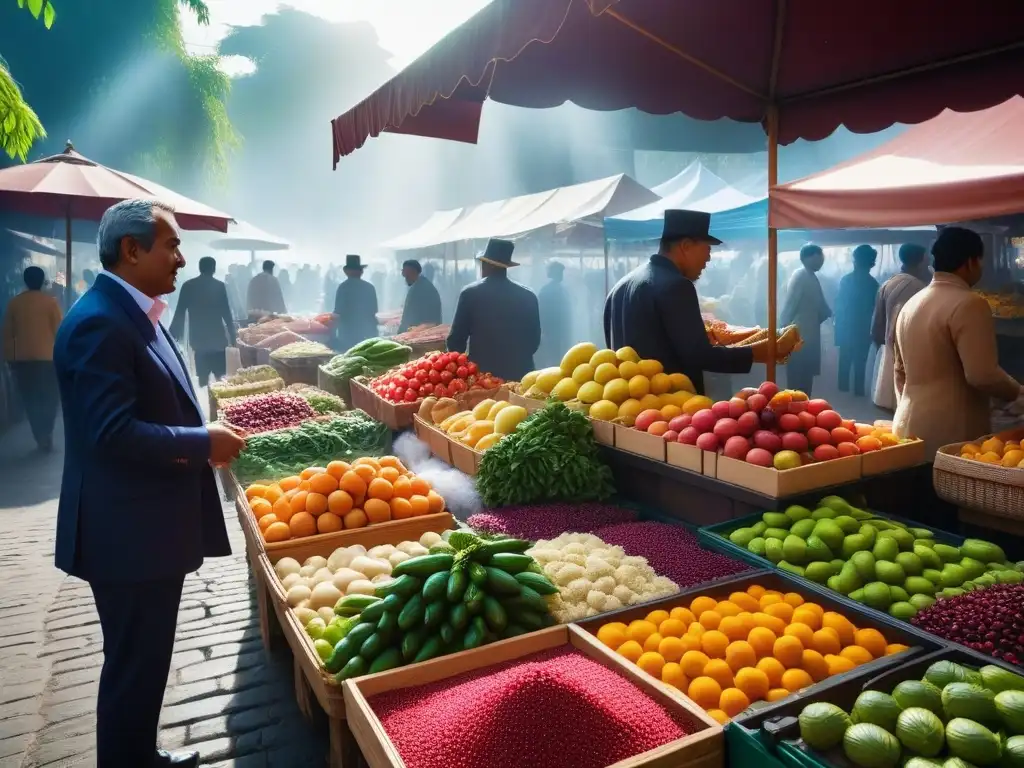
(551, 456)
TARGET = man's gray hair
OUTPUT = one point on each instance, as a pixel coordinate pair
(128, 218)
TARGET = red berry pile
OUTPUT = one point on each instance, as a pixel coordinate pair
(547, 521)
(439, 374)
(989, 620)
(261, 413)
(672, 551)
(548, 710)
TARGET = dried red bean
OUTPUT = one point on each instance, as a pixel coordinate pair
(672, 551)
(548, 710)
(274, 410)
(989, 620)
(546, 521)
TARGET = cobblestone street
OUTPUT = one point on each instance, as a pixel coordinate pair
(224, 697)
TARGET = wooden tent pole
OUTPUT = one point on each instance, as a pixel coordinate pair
(773, 240)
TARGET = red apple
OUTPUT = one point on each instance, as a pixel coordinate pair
(759, 456)
(680, 422)
(748, 423)
(688, 436)
(806, 420)
(767, 441)
(726, 428)
(818, 405)
(707, 442)
(848, 449)
(769, 389)
(671, 436)
(646, 418)
(786, 460)
(736, 447)
(795, 442)
(829, 420)
(757, 402)
(789, 422)
(746, 392)
(843, 435)
(703, 421)
(737, 407)
(826, 452)
(818, 436)
(720, 409)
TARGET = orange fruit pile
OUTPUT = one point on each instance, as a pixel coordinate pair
(756, 645)
(340, 496)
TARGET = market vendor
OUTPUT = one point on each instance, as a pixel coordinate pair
(654, 309)
(355, 304)
(497, 321)
(422, 302)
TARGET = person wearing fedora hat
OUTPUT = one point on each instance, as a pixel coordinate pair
(497, 321)
(654, 309)
(355, 304)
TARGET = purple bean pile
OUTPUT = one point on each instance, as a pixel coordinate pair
(262, 413)
(546, 521)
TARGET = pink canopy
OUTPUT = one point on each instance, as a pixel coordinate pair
(955, 167)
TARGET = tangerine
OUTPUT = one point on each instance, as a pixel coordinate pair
(671, 648)
(753, 682)
(773, 670)
(436, 504)
(774, 623)
(805, 615)
(329, 522)
(710, 619)
(422, 505)
(733, 628)
(793, 598)
(720, 672)
(377, 511)
(651, 663)
(871, 640)
(631, 650)
(260, 507)
(380, 488)
(656, 617)
(747, 620)
(672, 674)
(826, 641)
(337, 469)
(400, 508)
(420, 487)
(652, 642)
(365, 471)
(355, 518)
(762, 640)
(390, 474)
(782, 611)
(690, 642)
(308, 472)
(402, 488)
(640, 630)
(814, 664)
(894, 648)
(612, 634)
(316, 503)
(714, 643)
(277, 532)
(726, 608)
(796, 679)
(769, 598)
(740, 654)
(672, 628)
(267, 520)
(856, 654)
(789, 651)
(843, 626)
(679, 613)
(718, 716)
(814, 607)
(289, 483)
(838, 664)
(298, 501)
(705, 692)
(283, 509)
(733, 701)
(302, 524)
(255, 491)
(352, 484)
(323, 483)
(745, 601)
(776, 694)
(368, 461)
(273, 493)
(339, 502)
(701, 604)
(693, 663)
(801, 632)
(756, 591)
(391, 461)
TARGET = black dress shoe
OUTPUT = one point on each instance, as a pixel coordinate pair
(165, 759)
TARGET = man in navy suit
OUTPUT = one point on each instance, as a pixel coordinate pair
(139, 507)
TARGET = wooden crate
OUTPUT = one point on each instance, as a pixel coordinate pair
(702, 749)
(780, 483)
(304, 370)
(254, 543)
(892, 458)
(434, 437)
(464, 458)
(640, 443)
(685, 456)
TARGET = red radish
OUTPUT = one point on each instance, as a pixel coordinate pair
(759, 456)
(826, 452)
(848, 449)
(757, 402)
(680, 422)
(688, 436)
(748, 423)
(736, 447)
(704, 420)
(708, 442)
(769, 389)
(737, 407)
(829, 420)
(789, 422)
(720, 409)
(794, 441)
(726, 428)
(767, 441)
(646, 418)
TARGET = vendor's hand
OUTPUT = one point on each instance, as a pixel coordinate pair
(225, 445)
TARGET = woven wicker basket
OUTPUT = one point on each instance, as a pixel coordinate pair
(975, 485)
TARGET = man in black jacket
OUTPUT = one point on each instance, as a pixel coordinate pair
(211, 326)
(422, 302)
(654, 309)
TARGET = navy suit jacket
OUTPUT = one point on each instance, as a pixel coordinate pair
(138, 498)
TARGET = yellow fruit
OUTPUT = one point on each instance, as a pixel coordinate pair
(697, 403)
(838, 664)
(626, 354)
(650, 367)
(528, 380)
(753, 682)
(733, 701)
(640, 630)
(583, 373)
(631, 650)
(628, 370)
(605, 372)
(705, 692)
(657, 616)
(652, 664)
(871, 640)
(669, 412)
(680, 381)
(605, 410)
(564, 390)
(488, 441)
(796, 679)
(671, 648)
(497, 408)
(776, 694)
(652, 642)
(672, 674)
(547, 379)
(989, 457)
(693, 663)
(590, 392)
(970, 449)
(507, 419)
(992, 445)
(578, 354)
(482, 409)
(856, 654)
(612, 634)
(1012, 458)
(718, 716)
(894, 648)
(660, 383)
(617, 390)
(651, 402)
(629, 410)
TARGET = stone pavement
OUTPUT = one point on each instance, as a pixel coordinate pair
(224, 697)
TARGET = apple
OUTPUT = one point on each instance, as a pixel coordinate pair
(726, 428)
(737, 407)
(843, 435)
(789, 422)
(707, 442)
(818, 405)
(671, 436)
(720, 409)
(818, 436)
(848, 449)
(759, 456)
(795, 442)
(769, 389)
(826, 453)
(680, 422)
(688, 436)
(746, 392)
(703, 421)
(646, 418)
(736, 447)
(829, 420)
(658, 428)
(806, 420)
(757, 402)
(786, 460)
(767, 441)
(748, 423)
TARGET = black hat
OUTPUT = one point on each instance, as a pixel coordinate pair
(499, 253)
(353, 262)
(688, 225)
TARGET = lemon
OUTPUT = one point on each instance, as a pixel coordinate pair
(969, 449)
(627, 354)
(697, 403)
(629, 410)
(580, 353)
(548, 378)
(650, 367)
(590, 392)
(616, 390)
(565, 390)
(670, 411)
(660, 382)
(628, 370)
(639, 385)
(605, 372)
(583, 373)
(605, 410)
(680, 381)
(651, 402)
(603, 356)
(992, 445)
(528, 380)
(990, 457)
(1012, 458)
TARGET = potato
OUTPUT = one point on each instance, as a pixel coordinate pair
(324, 595)
(381, 551)
(429, 539)
(285, 567)
(345, 576)
(361, 587)
(340, 558)
(316, 561)
(398, 557)
(322, 575)
(304, 614)
(290, 580)
(369, 566)
(297, 594)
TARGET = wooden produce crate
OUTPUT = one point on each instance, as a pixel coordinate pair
(892, 458)
(438, 441)
(464, 458)
(640, 443)
(340, 387)
(780, 483)
(702, 749)
(684, 456)
(400, 415)
(251, 355)
(305, 370)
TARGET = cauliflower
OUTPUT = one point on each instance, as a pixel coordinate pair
(595, 599)
(636, 562)
(574, 549)
(579, 560)
(626, 572)
(666, 585)
(551, 569)
(605, 584)
(596, 568)
(624, 594)
(543, 556)
(569, 572)
(576, 591)
(611, 603)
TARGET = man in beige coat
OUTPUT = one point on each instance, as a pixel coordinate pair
(946, 365)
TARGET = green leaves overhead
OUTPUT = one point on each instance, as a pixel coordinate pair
(39, 8)
(19, 125)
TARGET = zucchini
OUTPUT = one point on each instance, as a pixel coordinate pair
(459, 616)
(387, 627)
(477, 574)
(343, 651)
(350, 605)
(436, 586)
(473, 599)
(457, 586)
(404, 586)
(433, 647)
(424, 565)
(435, 613)
(390, 659)
(494, 615)
(538, 583)
(372, 613)
(529, 620)
(510, 562)
(510, 545)
(500, 583)
(447, 633)
(372, 647)
(412, 642)
(356, 667)
(474, 638)
(412, 614)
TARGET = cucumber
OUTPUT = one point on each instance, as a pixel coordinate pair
(424, 565)
(390, 659)
(433, 647)
(343, 651)
(372, 647)
(477, 574)
(356, 667)
(394, 603)
(458, 616)
(436, 586)
(510, 562)
(457, 586)
(404, 586)
(473, 599)
(350, 605)
(528, 599)
(530, 620)
(447, 633)
(412, 614)
(412, 642)
(501, 583)
(372, 614)
(494, 615)
(360, 632)
(474, 638)
(435, 613)
(514, 546)
(538, 583)
(387, 627)
(513, 630)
